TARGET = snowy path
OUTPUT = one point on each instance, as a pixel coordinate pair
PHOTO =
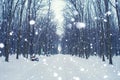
(59, 67)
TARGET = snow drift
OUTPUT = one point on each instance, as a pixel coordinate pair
(59, 67)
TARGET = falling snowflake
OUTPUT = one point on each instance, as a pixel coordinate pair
(72, 19)
(59, 78)
(60, 68)
(55, 74)
(2, 45)
(82, 69)
(118, 74)
(80, 25)
(95, 18)
(69, 26)
(105, 20)
(36, 33)
(26, 40)
(105, 65)
(11, 33)
(105, 77)
(32, 22)
(76, 78)
(75, 12)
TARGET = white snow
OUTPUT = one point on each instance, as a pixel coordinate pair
(32, 22)
(59, 67)
(36, 33)
(2, 45)
(108, 13)
(11, 33)
(72, 19)
(26, 39)
(55, 74)
(80, 25)
(105, 20)
(76, 78)
(75, 12)
(69, 26)
(95, 18)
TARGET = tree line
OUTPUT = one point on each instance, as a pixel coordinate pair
(27, 27)
(101, 34)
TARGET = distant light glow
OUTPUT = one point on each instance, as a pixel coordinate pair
(57, 7)
(59, 48)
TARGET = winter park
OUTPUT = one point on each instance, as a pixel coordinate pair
(59, 39)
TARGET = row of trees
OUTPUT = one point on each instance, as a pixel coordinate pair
(26, 27)
(100, 36)
(92, 27)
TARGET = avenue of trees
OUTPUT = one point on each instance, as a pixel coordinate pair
(100, 32)
(91, 27)
(26, 27)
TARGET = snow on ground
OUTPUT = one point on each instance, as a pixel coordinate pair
(59, 67)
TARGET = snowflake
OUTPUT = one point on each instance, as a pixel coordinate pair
(36, 33)
(95, 18)
(60, 68)
(91, 44)
(105, 20)
(59, 78)
(82, 69)
(11, 33)
(26, 40)
(76, 78)
(118, 73)
(69, 26)
(66, 40)
(2, 45)
(105, 76)
(72, 19)
(75, 12)
(95, 52)
(80, 25)
(32, 22)
(91, 47)
(55, 74)
(105, 65)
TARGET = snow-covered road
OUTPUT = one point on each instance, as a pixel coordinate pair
(59, 67)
